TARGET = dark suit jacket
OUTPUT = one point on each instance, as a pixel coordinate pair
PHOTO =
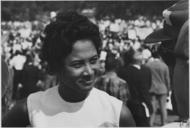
(31, 75)
(139, 81)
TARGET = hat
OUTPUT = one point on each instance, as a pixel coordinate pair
(174, 18)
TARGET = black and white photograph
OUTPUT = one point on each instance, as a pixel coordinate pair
(90, 63)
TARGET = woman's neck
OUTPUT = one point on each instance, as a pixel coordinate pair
(71, 96)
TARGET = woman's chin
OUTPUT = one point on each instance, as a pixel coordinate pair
(86, 87)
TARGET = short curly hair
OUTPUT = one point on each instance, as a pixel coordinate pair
(129, 55)
(61, 34)
(111, 63)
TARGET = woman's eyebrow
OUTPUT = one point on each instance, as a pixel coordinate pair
(94, 57)
(76, 61)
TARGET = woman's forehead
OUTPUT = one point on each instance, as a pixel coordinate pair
(83, 49)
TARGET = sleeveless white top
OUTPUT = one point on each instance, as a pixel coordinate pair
(48, 109)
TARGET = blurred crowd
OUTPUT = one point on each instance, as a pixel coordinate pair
(118, 34)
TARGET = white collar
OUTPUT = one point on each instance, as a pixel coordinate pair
(137, 66)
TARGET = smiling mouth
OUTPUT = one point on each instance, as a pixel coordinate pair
(88, 82)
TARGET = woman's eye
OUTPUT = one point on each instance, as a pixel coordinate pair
(77, 65)
(93, 61)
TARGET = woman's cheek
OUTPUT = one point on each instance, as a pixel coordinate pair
(75, 72)
(97, 70)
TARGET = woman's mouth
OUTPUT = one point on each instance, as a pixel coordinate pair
(88, 83)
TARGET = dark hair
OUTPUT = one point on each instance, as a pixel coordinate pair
(156, 54)
(128, 56)
(61, 34)
(111, 62)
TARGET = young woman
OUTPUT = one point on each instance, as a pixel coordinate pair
(71, 49)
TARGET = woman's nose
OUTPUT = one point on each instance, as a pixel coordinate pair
(88, 70)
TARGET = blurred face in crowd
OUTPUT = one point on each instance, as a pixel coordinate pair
(102, 66)
(138, 57)
(80, 67)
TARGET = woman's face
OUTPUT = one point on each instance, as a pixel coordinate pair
(80, 67)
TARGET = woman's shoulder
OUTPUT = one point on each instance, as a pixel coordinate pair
(107, 100)
(98, 92)
(36, 95)
(105, 97)
(42, 96)
(39, 94)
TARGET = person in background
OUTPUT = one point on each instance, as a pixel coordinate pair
(6, 86)
(181, 72)
(17, 63)
(146, 53)
(32, 77)
(102, 59)
(49, 81)
(110, 82)
(160, 86)
(181, 78)
(139, 79)
(175, 45)
(71, 49)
